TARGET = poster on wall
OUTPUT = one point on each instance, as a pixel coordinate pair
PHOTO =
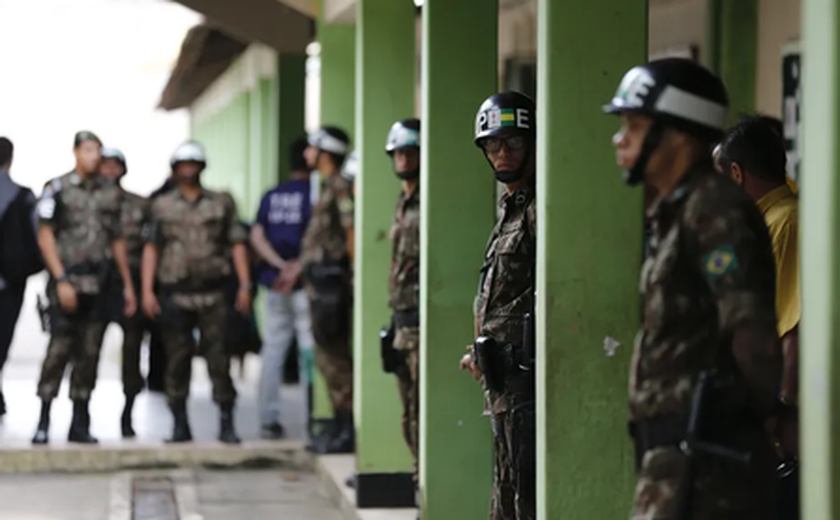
(792, 106)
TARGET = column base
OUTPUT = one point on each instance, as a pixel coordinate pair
(385, 490)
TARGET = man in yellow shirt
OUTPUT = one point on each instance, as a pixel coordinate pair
(753, 154)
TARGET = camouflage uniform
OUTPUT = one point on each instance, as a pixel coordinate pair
(711, 270)
(330, 296)
(194, 239)
(506, 295)
(85, 217)
(404, 286)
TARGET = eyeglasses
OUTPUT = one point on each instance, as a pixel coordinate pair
(494, 144)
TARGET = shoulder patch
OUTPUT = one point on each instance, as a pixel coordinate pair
(345, 205)
(46, 208)
(720, 262)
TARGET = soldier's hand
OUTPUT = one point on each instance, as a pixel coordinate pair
(67, 296)
(130, 302)
(467, 363)
(243, 301)
(150, 305)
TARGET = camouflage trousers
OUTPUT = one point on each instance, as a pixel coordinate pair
(180, 315)
(335, 361)
(134, 328)
(515, 466)
(76, 339)
(407, 339)
(722, 490)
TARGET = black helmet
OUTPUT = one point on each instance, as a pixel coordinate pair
(506, 113)
(116, 155)
(675, 93)
(331, 139)
(678, 93)
(403, 134)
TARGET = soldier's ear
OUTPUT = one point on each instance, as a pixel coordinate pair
(737, 174)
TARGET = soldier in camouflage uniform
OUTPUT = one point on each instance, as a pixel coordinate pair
(193, 233)
(708, 289)
(134, 216)
(504, 309)
(79, 232)
(403, 145)
(326, 260)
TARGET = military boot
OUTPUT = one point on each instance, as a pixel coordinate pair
(345, 438)
(318, 443)
(80, 426)
(42, 433)
(125, 421)
(181, 424)
(226, 432)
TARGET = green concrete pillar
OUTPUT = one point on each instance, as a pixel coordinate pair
(338, 73)
(589, 254)
(460, 40)
(736, 23)
(820, 200)
(269, 95)
(385, 65)
(291, 70)
(337, 98)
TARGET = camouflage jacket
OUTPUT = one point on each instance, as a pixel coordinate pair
(85, 217)
(134, 217)
(506, 286)
(404, 278)
(325, 239)
(711, 269)
(194, 238)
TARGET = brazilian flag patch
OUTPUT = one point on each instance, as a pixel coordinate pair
(720, 262)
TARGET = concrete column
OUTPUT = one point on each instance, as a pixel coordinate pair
(820, 195)
(291, 96)
(459, 71)
(385, 65)
(737, 48)
(589, 254)
(338, 75)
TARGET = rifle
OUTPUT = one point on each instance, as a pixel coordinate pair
(693, 446)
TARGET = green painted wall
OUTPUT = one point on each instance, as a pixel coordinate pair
(338, 75)
(385, 64)
(736, 27)
(589, 254)
(460, 38)
(290, 97)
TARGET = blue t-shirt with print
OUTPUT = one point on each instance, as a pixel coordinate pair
(284, 214)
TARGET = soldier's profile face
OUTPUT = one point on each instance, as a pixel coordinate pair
(406, 159)
(310, 154)
(630, 137)
(88, 156)
(111, 168)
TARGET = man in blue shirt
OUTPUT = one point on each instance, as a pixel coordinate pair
(276, 237)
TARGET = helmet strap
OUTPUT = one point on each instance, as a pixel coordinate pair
(636, 174)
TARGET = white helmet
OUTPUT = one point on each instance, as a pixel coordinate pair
(190, 151)
(350, 170)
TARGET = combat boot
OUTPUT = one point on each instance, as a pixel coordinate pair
(125, 421)
(42, 433)
(80, 426)
(345, 438)
(181, 424)
(226, 432)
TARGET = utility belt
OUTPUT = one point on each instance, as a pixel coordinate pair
(189, 287)
(393, 359)
(505, 366)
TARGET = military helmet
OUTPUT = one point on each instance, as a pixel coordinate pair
(190, 151)
(506, 113)
(677, 93)
(350, 170)
(116, 155)
(330, 139)
(403, 134)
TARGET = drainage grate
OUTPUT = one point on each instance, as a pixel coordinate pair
(153, 499)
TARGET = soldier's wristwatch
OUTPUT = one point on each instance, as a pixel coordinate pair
(62, 278)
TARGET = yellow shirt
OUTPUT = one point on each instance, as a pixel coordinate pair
(792, 185)
(781, 213)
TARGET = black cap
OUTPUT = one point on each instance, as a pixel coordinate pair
(83, 136)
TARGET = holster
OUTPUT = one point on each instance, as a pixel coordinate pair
(44, 308)
(330, 301)
(391, 357)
